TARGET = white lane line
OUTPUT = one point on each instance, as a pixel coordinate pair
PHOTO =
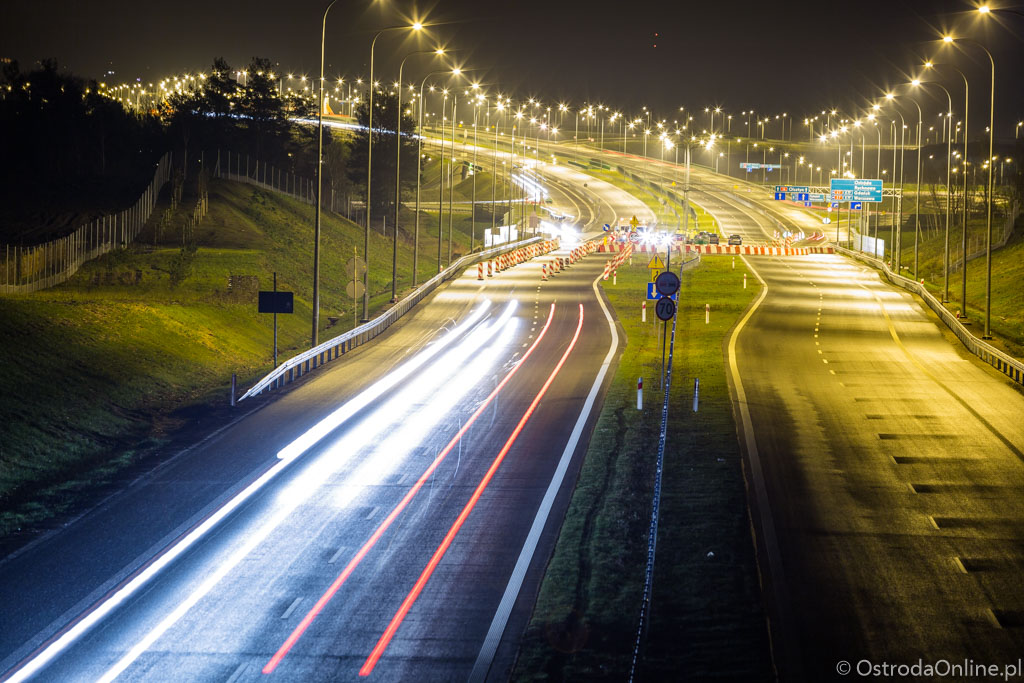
(372, 513)
(515, 582)
(769, 540)
(341, 551)
(291, 608)
(238, 672)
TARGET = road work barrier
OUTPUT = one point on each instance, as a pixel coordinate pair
(295, 367)
(1005, 363)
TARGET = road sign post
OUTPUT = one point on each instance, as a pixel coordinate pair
(276, 302)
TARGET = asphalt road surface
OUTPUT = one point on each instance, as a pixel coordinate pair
(393, 545)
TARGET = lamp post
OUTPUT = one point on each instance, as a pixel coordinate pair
(917, 194)
(319, 182)
(949, 161)
(987, 334)
(898, 229)
(419, 165)
(398, 177)
(369, 164)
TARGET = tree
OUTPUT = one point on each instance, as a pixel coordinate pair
(384, 116)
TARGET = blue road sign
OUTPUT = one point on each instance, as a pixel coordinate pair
(792, 188)
(817, 197)
(835, 205)
(652, 293)
(856, 206)
(803, 196)
(780, 195)
(607, 227)
(855, 190)
(807, 203)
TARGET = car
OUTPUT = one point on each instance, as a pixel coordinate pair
(735, 240)
(713, 238)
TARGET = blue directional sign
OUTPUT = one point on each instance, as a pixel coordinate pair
(856, 206)
(652, 293)
(835, 205)
(780, 195)
(817, 197)
(807, 203)
(855, 190)
(802, 196)
(792, 188)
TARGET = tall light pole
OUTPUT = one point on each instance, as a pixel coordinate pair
(987, 334)
(917, 194)
(315, 337)
(398, 162)
(949, 161)
(899, 229)
(369, 165)
(419, 160)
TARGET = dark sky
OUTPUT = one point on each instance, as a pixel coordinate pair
(798, 57)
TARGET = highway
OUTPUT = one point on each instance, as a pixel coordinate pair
(885, 465)
(393, 544)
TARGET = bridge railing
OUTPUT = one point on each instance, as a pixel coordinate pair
(306, 361)
(1005, 363)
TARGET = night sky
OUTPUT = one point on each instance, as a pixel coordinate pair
(769, 56)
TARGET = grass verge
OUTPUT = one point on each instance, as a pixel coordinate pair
(707, 619)
(104, 369)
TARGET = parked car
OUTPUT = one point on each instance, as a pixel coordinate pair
(735, 240)
(713, 238)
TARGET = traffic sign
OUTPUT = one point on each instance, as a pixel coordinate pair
(667, 283)
(855, 190)
(665, 308)
(856, 206)
(276, 302)
(652, 292)
(779, 196)
(807, 203)
(802, 196)
(656, 263)
(607, 227)
(634, 237)
(792, 188)
(634, 222)
(817, 197)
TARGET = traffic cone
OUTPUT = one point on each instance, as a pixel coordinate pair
(480, 271)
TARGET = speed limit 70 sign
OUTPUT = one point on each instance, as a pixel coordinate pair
(665, 308)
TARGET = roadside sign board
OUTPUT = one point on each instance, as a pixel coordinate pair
(665, 308)
(652, 292)
(802, 196)
(792, 188)
(667, 284)
(855, 190)
(656, 263)
(634, 222)
(817, 197)
(634, 237)
(755, 165)
(276, 302)
(807, 203)
(780, 196)
(856, 206)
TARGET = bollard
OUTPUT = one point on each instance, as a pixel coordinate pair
(480, 271)
(234, 387)
(490, 268)
(707, 313)
(643, 311)
(744, 280)
(615, 276)
(543, 271)
(734, 263)
(639, 393)
(696, 392)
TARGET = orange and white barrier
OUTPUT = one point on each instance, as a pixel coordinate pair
(480, 271)
(750, 250)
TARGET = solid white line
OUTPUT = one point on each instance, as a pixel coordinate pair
(770, 539)
(515, 582)
(335, 556)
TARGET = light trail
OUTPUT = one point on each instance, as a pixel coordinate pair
(102, 609)
(300, 629)
(425, 575)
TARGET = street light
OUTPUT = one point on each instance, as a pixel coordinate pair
(988, 217)
(398, 161)
(369, 162)
(949, 158)
(917, 194)
(319, 182)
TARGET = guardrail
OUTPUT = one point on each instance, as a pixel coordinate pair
(307, 361)
(1005, 363)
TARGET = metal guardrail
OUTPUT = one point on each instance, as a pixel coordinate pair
(1005, 363)
(306, 361)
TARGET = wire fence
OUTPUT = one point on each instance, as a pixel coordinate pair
(245, 169)
(32, 268)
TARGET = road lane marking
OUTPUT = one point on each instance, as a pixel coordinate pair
(337, 554)
(421, 582)
(515, 582)
(775, 574)
(372, 513)
(291, 608)
(368, 545)
(238, 672)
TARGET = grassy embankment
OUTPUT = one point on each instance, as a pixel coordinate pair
(99, 369)
(707, 618)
